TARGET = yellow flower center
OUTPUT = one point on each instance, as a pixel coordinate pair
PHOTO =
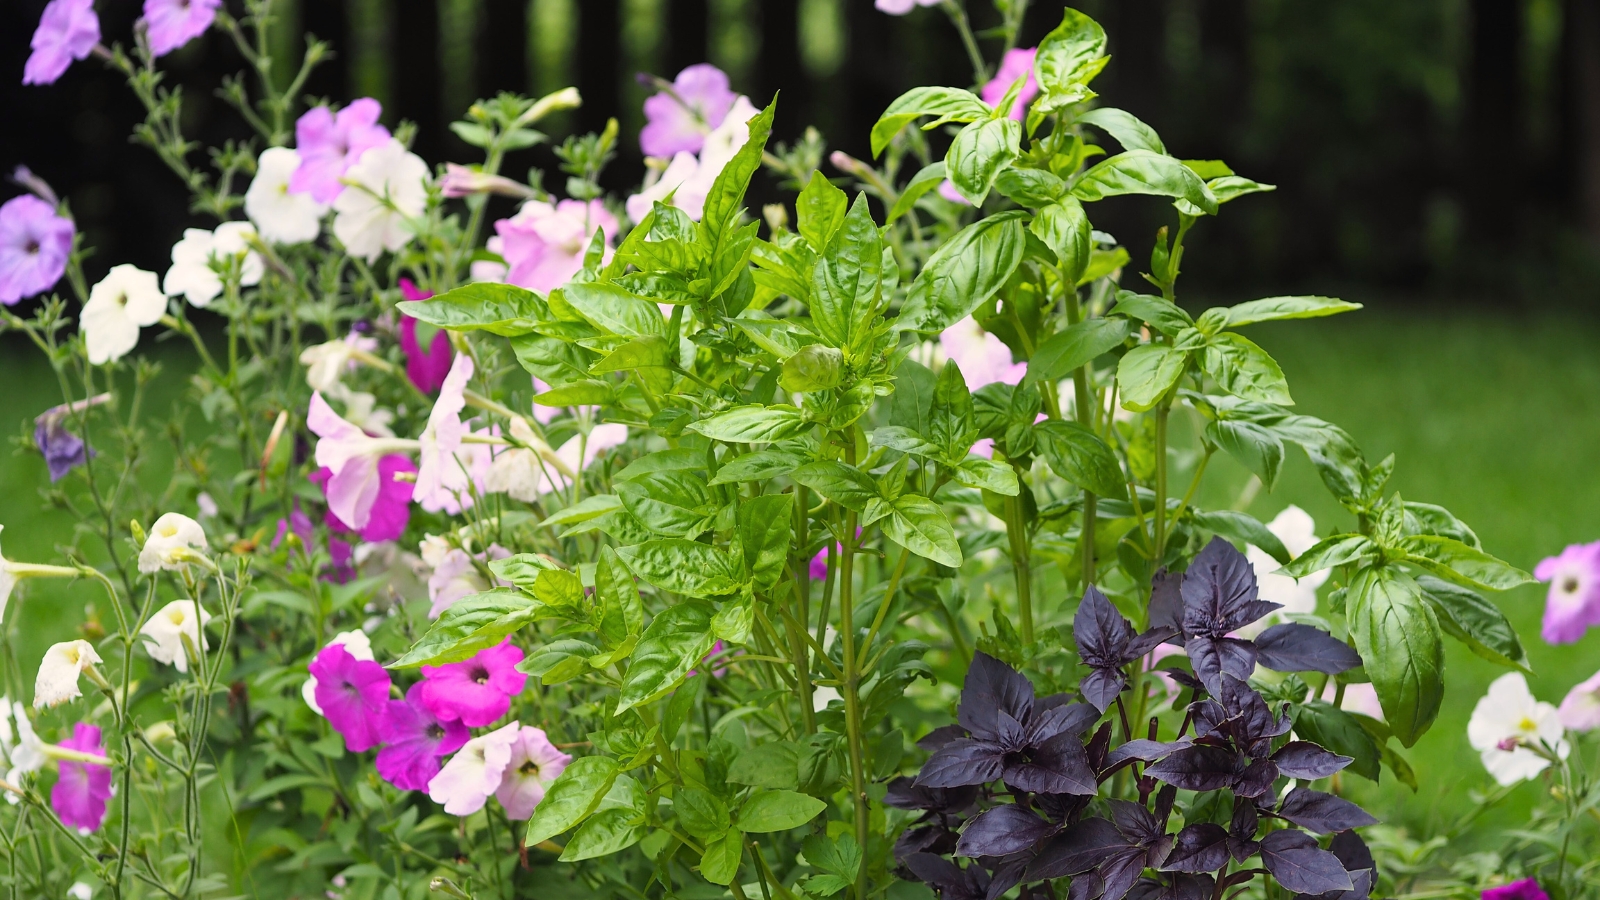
(1527, 725)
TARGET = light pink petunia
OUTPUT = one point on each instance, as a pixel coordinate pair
(679, 120)
(354, 459)
(68, 30)
(173, 23)
(473, 775)
(1017, 64)
(1580, 711)
(81, 792)
(982, 357)
(901, 7)
(1573, 603)
(390, 512)
(449, 472)
(544, 245)
(329, 145)
(454, 575)
(535, 762)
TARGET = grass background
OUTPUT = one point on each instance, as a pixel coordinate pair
(1492, 414)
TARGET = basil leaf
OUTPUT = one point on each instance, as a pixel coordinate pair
(1245, 370)
(1398, 638)
(768, 811)
(964, 273)
(1147, 372)
(1081, 457)
(571, 797)
(677, 639)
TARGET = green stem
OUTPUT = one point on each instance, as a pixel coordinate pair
(852, 679)
(883, 607)
(1085, 417)
(1160, 512)
(958, 16)
(795, 624)
(1021, 563)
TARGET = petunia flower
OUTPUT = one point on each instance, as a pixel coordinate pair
(677, 121)
(352, 694)
(1509, 717)
(354, 459)
(388, 191)
(1573, 603)
(166, 629)
(197, 256)
(82, 788)
(454, 576)
(282, 216)
(947, 190)
(1526, 889)
(27, 755)
(391, 511)
(34, 245)
(173, 23)
(901, 7)
(329, 145)
(57, 681)
(464, 181)
(467, 781)
(544, 245)
(68, 30)
(982, 357)
(415, 741)
(1014, 66)
(173, 542)
(61, 449)
(534, 763)
(426, 369)
(447, 471)
(127, 299)
(1296, 529)
(1580, 710)
(327, 362)
(478, 690)
(687, 180)
(357, 644)
(80, 891)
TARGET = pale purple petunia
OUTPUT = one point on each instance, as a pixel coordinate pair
(679, 120)
(476, 691)
(353, 694)
(34, 246)
(173, 23)
(329, 145)
(1573, 603)
(68, 30)
(415, 741)
(82, 789)
(535, 762)
(1580, 711)
(1016, 64)
(425, 368)
(62, 450)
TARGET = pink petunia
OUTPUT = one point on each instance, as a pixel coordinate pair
(80, 794)
(535, 762)
(415, 742)
(68, 30)
(1017, 64)
(329, 145)
(1580, 711)
(353, 694)
(173, 23)
(1573, 603)
(901, 7)
(450, 471)
(425, 368)
(982, 357)
(34, 246)
(679, 120)
(476, 691)
(1526, 889)
(355, 459)
(390, 512)
(475, 773)
(544, 245)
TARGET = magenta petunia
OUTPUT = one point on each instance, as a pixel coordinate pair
(1573, 603)
(1526, 889)
(353, 694)
(1016, 64)
(391, 512)
(173, 23)
(341, 569)
(415, 741)
(82, 789)
(329, 145)
(476, 691)
(34, 246)
(679, 120)
(425, 368)
(68, 30)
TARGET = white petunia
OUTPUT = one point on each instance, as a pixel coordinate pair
(1506, 722)
(171, 544)
(281, 217)
(8, 583)
(80, 891)
(57, 681)
(166, 629)
(1295, 528)
(197, 259)
(389, 191)
(466, 782)
(326, 363)
(357, 644)
(124, 301)
(27, 755)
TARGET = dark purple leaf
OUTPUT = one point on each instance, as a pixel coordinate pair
(1295, 647)
(1323, 813)
(1009, 733)
(1214, 657)
(1219, 592)
(930, 838)
(1166, 602)
(1078, 849)
(1100, 631)
(1245, 821)
(1189, 887)
(1058, 766)
(1164, 801)
(1361, 878)
(1135, 822)
(1147, 889)
(1098, 747)
(1006, 877)
(903, 793)
(1072, 718)
(1198, 768)
(962, 762)
(1294, 858)
(1145, 750)
(940, 736)
(992, 686)
(1201, 847)
(1148, 641)
(1120, 872)
(1088, 886)
(1060, 808)
(1352, 851)
(1183, 677)
(1303, 759)
(1051, 701)
(1003, 831)
(1257, 779)
(950, 882)
(1101, 687)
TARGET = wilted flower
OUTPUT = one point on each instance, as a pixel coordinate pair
(195, 260)
(166, 629)
(35, 243)
(173, 542)
(900, 8)
(173, 23)
(1526, 889)
(519, 471)
(454, 576)
(388, 191)
(415, 740)
(62, 450)
(982, 357)
(544, 245)
(354, 459)
(463, 181)
(477, 690)
(353, 694)
(687, 179)
(68, 30)
(27, 755)
(1506, 722)
(534, 763)
(280, 215)
(678, 120)
(57, 681)
(473, 774)
(329, 145)
(82, 788)
(1573, 603)
(1017, 64)
(357, 644)
(1580, 710)
(327, 362)
(127, 299)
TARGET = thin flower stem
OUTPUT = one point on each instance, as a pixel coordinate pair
(958, 16)
(852, 678)
(883, 608)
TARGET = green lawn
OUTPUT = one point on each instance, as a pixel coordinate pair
(1493, 415)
